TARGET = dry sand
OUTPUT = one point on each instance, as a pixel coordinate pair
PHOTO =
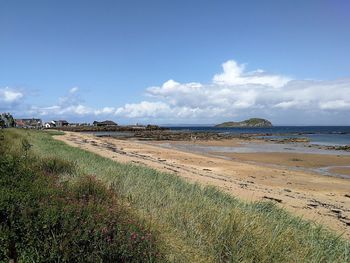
(319, 198)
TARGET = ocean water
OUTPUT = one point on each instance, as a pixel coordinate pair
(322, 135)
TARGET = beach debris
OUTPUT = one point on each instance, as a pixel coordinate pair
(347, 195)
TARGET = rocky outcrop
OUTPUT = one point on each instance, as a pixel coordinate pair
(112, 128)
(250, 123)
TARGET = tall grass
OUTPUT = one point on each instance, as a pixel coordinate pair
(46, 219)
(202, 224)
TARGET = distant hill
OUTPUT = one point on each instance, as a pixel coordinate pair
(250, 123)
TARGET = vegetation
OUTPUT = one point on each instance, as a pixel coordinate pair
(253, 122)
(44, 218)
(6, 120)
(192, 223)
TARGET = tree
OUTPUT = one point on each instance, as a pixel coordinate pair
(2, 122)
(7, 120)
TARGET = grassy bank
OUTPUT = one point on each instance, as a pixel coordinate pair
(195, 223)
(46, 218)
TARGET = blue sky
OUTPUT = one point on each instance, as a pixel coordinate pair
(163, 61)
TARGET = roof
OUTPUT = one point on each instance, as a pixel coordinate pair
(107, 122)
(27, 122)
(32, 119)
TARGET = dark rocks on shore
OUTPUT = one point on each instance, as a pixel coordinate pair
(130, 128)
(183, 136)
(290, 140)
(339, 148)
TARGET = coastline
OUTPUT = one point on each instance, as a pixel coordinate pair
(320, 198)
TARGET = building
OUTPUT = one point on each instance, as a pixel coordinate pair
(105, 123)
(50, 124)
(29, 123)
(61, 123)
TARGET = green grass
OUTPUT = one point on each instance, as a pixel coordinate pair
(195, 223)
(44, 218)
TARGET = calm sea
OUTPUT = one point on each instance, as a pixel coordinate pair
(323, 135)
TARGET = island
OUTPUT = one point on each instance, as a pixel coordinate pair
(250, 123)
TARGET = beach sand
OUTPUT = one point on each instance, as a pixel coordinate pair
(248, 176)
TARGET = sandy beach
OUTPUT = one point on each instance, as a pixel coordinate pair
(291, 180)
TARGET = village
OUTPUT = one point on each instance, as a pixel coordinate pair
(8, 121)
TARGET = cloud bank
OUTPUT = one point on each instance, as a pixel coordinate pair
(233, 94)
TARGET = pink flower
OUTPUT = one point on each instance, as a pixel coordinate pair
(133, 236)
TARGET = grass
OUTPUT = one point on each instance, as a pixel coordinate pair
(44, 218)
(195, 223)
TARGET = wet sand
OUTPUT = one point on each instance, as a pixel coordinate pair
(248, 176)
(336, 165)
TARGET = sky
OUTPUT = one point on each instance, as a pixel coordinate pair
(176, 62)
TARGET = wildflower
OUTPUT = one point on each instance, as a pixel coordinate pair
(104, 230)
(133, 236)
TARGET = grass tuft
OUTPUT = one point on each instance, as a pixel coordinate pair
(55, 165)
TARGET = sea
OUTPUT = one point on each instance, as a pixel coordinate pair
(320, 135)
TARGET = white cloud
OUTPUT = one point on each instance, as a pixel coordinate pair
(8, 95)
(335, 105)
(73, 90)
(142, 109)
(287, 104)
(234, 74)
(69, 105)
(57, 110)
(105, 110)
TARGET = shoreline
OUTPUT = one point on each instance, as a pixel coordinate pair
(315, 197)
